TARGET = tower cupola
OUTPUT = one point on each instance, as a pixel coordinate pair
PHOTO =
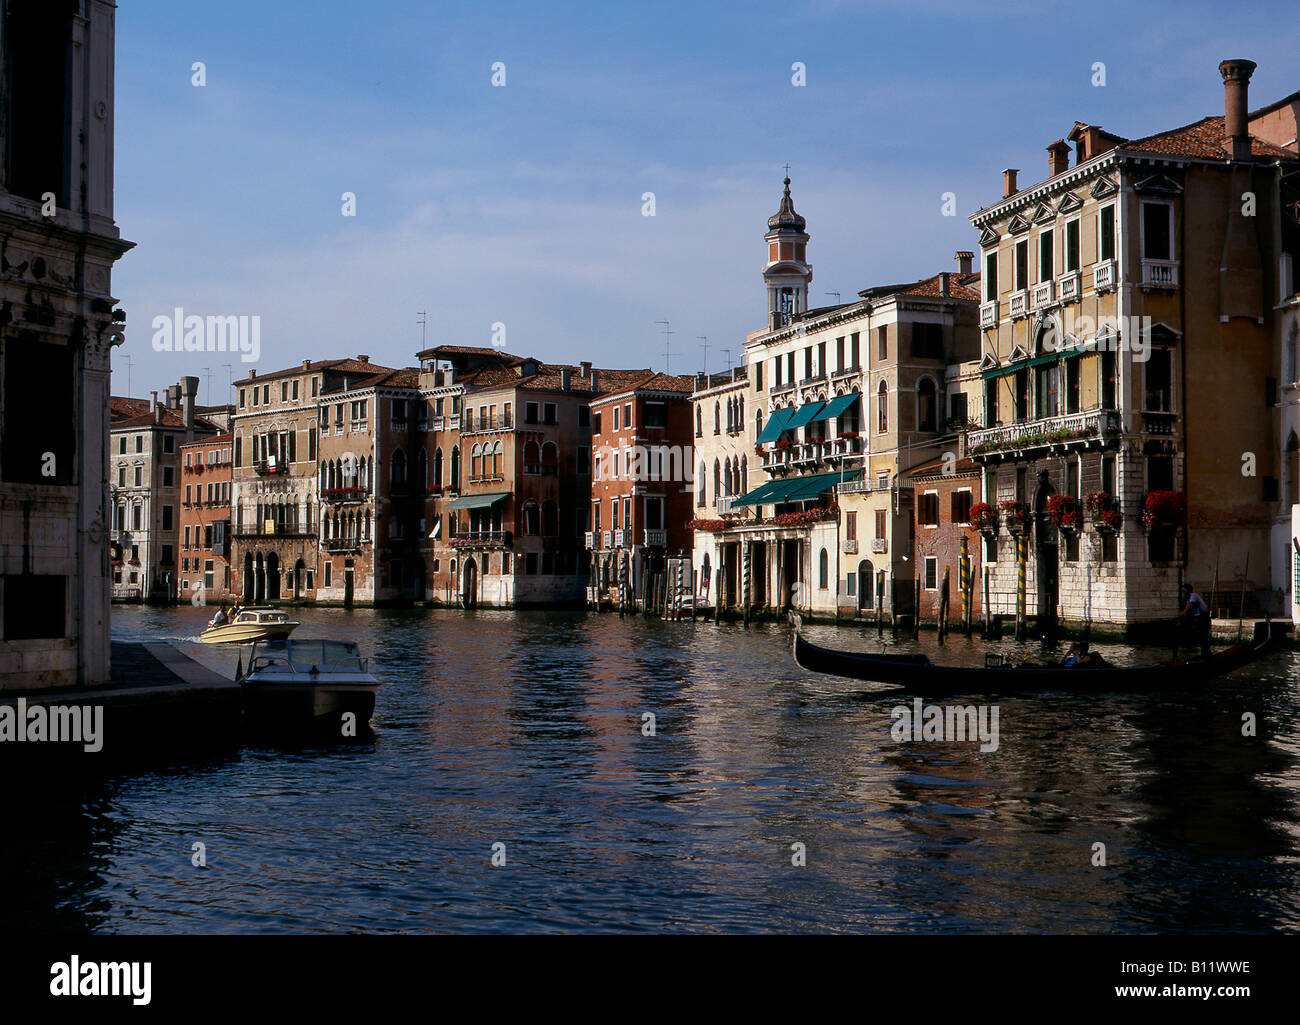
(787, 273)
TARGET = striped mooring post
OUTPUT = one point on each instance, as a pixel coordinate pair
(677, 588)
(622, 586)
(964, 584)
(744, 561)
(1022, 555)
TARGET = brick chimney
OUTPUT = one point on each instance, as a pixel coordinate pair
(174, 397)
(944, 288)
(1009, 182)
(1236, 88)
(586, 368)
(701, 381)
(363, 358)
(566, 375)
(1058, 157)
(190, 386)
(595, 387)
(965, 259)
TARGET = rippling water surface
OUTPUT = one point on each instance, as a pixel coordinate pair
(525, 729)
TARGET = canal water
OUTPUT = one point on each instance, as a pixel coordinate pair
(525, 729)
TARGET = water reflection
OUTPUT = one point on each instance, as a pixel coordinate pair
(527, 730)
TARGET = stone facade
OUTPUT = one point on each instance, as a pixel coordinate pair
(58, 323)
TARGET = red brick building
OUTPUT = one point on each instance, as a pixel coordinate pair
(206, 468)
(641, 492)
(943, 495)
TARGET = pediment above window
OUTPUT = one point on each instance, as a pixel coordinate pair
(1018, 225)
(1104, 187)
(1161, 184)
(1069, 203)
(990, 238)
(1043, 213)
(989, 362)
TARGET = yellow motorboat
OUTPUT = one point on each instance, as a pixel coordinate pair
(247, 625)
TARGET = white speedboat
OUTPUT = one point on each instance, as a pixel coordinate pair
(304, 681)
(258, 623)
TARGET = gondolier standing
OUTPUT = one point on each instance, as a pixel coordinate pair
(1196, 619)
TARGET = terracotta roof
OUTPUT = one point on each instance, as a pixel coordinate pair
(172, 419)
(959, 288)
(656, 381)
(216, 439)
(935, 467)
(1206, 139)
(403, 377)
(340, 365)
(466, 350)
(120, 407)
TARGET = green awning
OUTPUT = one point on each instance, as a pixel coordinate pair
(775, 426)
(1006, 368)
(810, 487)
(477, 501)
(836, 406)
(805, 414)
(759, 494)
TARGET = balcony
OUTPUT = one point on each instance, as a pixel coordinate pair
(1103, 276)
(846, 372)
(1017, 303)
(483, 539)
(272, 530)
(401, 426)
(1049, 432)
(808, 382)
(589, 539)
(621, 537)
(988, 315)
(1067, 288)
(850, 546)
(342, 544)
(723, 505)
(1158, 421)
(781, 389)
(608, 539)
(656, 538)
(271, 466)
(879, 546)
(1042, 295)
(344, 496)
(1159, 273)
(488, 423)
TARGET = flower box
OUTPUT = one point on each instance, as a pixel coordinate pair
(984, 518)
(1164, 509)
(1016, 516)
(1065, 512)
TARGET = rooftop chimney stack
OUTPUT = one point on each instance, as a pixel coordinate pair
(586, 368)
(190, 386)
(944, 288)
(566, 375)
(1009, 182)
(363, 358)
(964, 259)
(1236, 102)
(594, 385)
(1058, 157)
(701, 381)
(174, 397)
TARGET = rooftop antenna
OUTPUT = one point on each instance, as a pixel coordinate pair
(705, 347)
(728, 352)
(667, 352)
(836, 294)
(230, 382)
(129, 361)
(207, 381)
(424, 324)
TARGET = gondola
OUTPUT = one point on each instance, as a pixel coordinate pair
(918, 675)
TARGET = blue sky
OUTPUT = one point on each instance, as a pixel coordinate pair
(522, 204)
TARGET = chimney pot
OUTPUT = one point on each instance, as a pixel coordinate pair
(1009, 181)
(1058, 158)
(965, 260)
(1236, 103)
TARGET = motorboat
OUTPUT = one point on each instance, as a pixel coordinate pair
(258, 623)
(921, 676)
(308, 680)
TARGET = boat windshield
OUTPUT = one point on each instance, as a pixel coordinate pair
(339, 656)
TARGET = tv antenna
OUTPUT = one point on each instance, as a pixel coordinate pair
(424, 324)
(705, 347)
(836, 294)
(728, 354)
(667, 351)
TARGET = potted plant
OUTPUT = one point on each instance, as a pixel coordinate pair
(1065, 512)
(1016, 515)
(1164, 509)
(984, 518)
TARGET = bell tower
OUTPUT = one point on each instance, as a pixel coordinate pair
(788, 272)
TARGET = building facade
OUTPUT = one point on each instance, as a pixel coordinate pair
(206, 469)
(1112, 290)
(58, 323)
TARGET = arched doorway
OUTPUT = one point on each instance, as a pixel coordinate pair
(272, 576)
(249, 578)
(1046, 552)
(259, 577)
(348, 576)
(469, 584)
(866, 585)
(299, 577)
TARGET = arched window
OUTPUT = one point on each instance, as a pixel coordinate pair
(550, 459)
(437, 468)
(740, 413)
(717, 480)
(699, 423)
(531, 525)
(758, 424)
(726, 476)
(497, 470)
(453, 481)
(743, 483)
(550, 519)
(475, 464)
(823, 570)
(701, 498)
(882, 408)
(927, 407)
(422, 469)
(532, 458)
(398, 469)
(717, 417)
